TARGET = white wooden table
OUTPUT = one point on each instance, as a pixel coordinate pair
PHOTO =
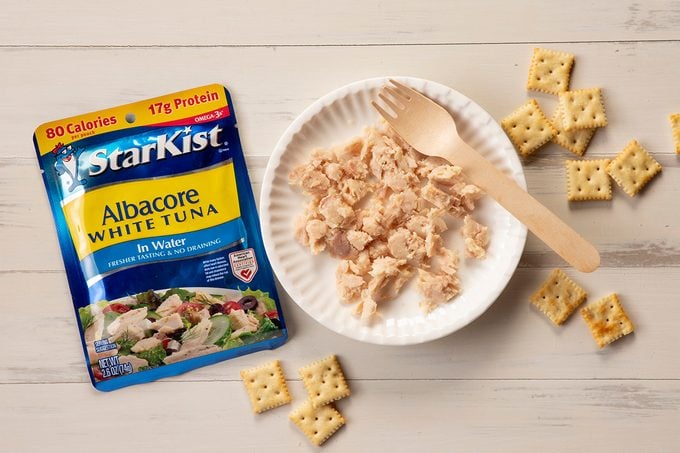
(508, 382)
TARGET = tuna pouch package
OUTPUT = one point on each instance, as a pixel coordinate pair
(160, 236)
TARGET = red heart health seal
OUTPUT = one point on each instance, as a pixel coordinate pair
(243, 264)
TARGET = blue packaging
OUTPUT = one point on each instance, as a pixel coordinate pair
(160, 236)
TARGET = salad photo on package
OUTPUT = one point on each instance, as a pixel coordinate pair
(153, 329)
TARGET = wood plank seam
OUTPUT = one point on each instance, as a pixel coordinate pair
(297, 45)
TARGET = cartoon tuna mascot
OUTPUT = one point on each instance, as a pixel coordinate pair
(67, 166)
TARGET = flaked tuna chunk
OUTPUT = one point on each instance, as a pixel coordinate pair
(446, 175)
(398, 207)
(458, 199)
(372, 223)
(168, 324)
(333, 171)
(418, 224)
(366, 307)
(386, 267)
(397, 180)
(463, 198)
(426, 165)
(358, 239)
(372, 136)
(433, 240)
(433, 243)
(312, 181)
(378, 249)
(436, 288)
(349, 284)
(446, 261)
(436, 196)
(353, 190)
(447, 189)
(404, 160)
(309, 215)
(316, 231)
(388, 277)
(476, 238)
(361, 265)
(468, 194)
(391, 165)
(429, 221)
(335, 211)
(407, 245)
(382, 160)
(355, 169)
(440, 284)
(435, 217)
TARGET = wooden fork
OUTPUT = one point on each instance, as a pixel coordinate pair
(431, 130)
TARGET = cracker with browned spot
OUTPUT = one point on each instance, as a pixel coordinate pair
(607, 320)
(633, 168)
(528, 127)
(588, 180)
(582, 109)
(558, 296)
(266, 386)
(550, 71)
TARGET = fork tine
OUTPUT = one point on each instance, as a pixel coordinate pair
(406, 91)
(396, 94)
(389, 118)
(390, 103)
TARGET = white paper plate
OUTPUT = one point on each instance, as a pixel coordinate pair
(310, 280)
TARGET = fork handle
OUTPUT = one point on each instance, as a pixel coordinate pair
(556, 234)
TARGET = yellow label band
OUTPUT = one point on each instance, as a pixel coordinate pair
(154, 207)
(172, 107)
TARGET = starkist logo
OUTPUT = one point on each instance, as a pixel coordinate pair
(179, 143)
